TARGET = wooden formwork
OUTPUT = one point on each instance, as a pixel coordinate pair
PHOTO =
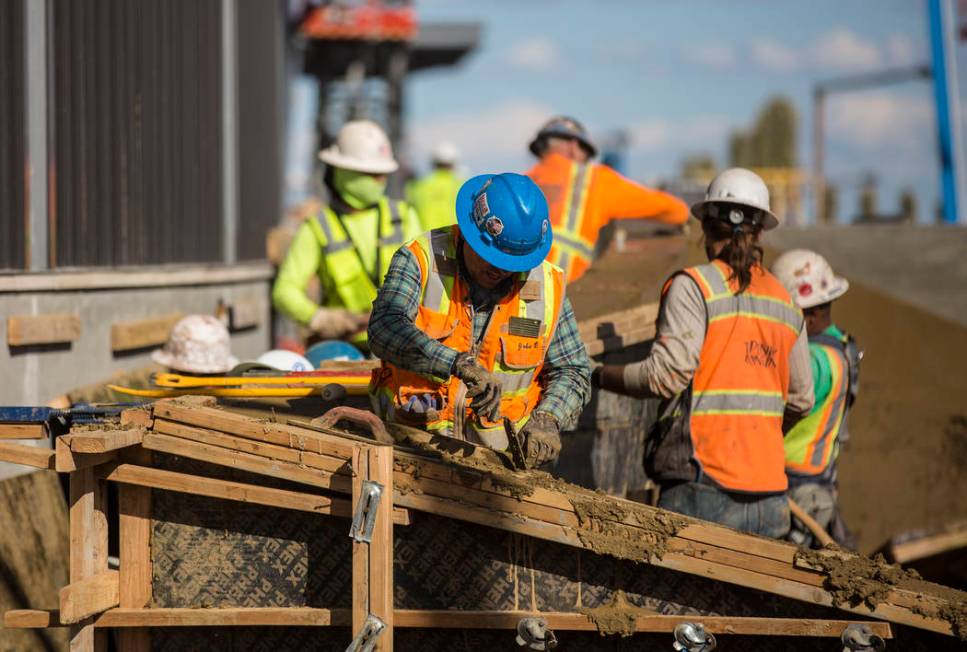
(571, 555)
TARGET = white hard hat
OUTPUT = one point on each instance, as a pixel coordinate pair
(284, 360)
(808, 278)
(445, 153)
(361, 146)
(736, 186)
(197, 344)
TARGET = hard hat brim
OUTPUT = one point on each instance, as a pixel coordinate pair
(332, 156)
(698, 210)
(166, 359)
(585, 143)
(840, 287)
(471, 234)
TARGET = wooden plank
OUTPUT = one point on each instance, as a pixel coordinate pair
(89, 596)
(137, 418)
(31, 619)
(247, 462)
(88, 548)
(23, 330)
(134, 542)
(245, 313)
(951, 539)
(23, 431)
(225, 617)
(360, 549)
(620, 320)
(102, 441)
(141, 333)
(35, 456)
(66, 460)
(251, 428)
(381, 548)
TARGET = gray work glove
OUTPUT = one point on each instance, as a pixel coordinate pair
(483, 387)
(542, 439)
(337, 323)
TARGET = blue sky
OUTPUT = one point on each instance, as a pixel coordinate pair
(679, 76)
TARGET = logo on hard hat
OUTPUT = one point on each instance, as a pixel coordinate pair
(481, 209)
(544, 226)
(805, 290)
(494, 226)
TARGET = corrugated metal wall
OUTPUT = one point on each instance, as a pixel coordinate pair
(137, 135)
(12, 153)
(260, 92)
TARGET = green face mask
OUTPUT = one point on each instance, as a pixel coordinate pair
(358, 189)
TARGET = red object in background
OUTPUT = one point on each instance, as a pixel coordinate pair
(372, 20)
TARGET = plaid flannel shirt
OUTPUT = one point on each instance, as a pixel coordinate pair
(394, 337)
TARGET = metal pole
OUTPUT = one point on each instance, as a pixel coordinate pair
(229, 15)
(35, 31)
(819, 155)
(944, 84)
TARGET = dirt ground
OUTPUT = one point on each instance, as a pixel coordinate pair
(905, 466)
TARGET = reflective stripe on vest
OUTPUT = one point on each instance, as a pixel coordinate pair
(813, 443)
(568, 241)
(739, 390)
(347, 284)
(513, 351)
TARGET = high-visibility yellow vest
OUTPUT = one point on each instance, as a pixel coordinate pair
(346, 281)
(813, 443)
(435, 197)
(513, 346)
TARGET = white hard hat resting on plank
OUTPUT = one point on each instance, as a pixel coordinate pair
(736, 187)
(362, 146)
(198, 344)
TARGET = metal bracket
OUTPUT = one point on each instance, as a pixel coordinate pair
(692, 637)
(860, 638)
(533, 633)
(365, 640)
(364, 518)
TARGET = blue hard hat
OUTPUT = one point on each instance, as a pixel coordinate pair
(504, 219)
(332, 350)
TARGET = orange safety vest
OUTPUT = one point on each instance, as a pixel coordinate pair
(513, 346)
(584, 197)
(729, 419)
(813, 443)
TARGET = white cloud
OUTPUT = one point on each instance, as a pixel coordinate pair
(720, 56)
(657, 134)
(536, 54)
(841, 49)
(772, 55)
(880, 120)
(494, 137)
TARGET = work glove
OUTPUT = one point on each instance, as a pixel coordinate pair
(542, 439)
(483, 387)
(337, 323)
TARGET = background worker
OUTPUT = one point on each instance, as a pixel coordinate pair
(731, 364)
(350, 242)
(813, 445)
(434, 195)
(584, 197)
(473, 326)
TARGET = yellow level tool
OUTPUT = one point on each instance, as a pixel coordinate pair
(355, 389)
(180, 381)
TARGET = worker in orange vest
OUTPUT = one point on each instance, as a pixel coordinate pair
(731, 365)
(584, 197)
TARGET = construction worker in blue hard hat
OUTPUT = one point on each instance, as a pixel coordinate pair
(474, 330)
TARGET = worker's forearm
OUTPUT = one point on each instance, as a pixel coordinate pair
(300, 264)
(291, 300)
(567, 391)
(612, 377)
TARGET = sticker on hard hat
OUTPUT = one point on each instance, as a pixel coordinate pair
(481, 209)
(544, 226)
(495, 226)
(805, 290)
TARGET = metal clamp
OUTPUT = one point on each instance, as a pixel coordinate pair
(533, 633)
(364, 518)
(365, 640)
(692, 637)
(860, 638)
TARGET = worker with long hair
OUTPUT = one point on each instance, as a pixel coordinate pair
(730, 363)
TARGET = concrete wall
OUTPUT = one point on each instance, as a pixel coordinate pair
(33, 375)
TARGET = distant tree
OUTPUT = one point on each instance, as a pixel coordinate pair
(868, 199)
(831, 203)
(908, 206)
(772, 139)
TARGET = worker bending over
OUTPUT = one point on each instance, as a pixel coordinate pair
(731, 364)
(350, 243)
(473, 326)
(813, 444)
(434, 195)
(584, 197)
